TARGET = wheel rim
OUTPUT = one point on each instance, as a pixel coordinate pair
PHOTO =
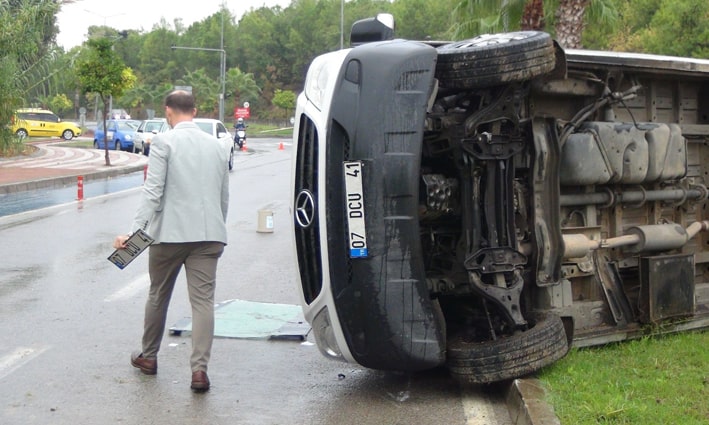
(68, 135)
(118, 146)
(21, 134)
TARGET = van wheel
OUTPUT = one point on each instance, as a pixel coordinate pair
(21, 133)
(231, 159)
(96, 144)
(508, 357)
(67, 135)
(493, 59)
(117, 146)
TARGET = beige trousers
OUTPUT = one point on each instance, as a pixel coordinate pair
(164, 264)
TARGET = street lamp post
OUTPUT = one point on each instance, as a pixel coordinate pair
(105, 17)
(222, 72)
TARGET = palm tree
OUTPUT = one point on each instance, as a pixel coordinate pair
(473, 17)
(533, 16)
(571, 22)
(28, 28)
(242, 86)
(569, 17)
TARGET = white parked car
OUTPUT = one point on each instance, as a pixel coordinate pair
(217, 129)
(145, 132)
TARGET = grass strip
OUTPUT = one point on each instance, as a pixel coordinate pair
(652, 380)
(268, 130)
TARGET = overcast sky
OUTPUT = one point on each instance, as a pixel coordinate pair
(75, 19)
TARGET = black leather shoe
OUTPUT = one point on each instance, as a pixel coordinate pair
(200, 381)
(147, 366)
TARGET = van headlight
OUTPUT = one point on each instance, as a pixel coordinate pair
(316, 82)
(321, 71)
(325, 335)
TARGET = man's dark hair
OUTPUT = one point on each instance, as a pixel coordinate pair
(180, 100)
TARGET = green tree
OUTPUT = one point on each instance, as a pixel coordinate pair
(284, 99)
(679, 28)
(255, 46)
(422, 19)
(158, 63)
(60, 104)
(100, 70)
(27, 30)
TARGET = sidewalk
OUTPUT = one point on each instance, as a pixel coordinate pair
(53, 165)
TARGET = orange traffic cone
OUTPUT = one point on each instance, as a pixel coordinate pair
(280, 146)
(243, 146)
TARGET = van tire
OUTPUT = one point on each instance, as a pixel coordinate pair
(508, 357)
(490, 60)
(21, 133)
(67, 135)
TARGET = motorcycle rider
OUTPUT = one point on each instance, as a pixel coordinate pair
(239, 125)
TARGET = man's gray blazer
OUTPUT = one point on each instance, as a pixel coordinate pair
(186, 193)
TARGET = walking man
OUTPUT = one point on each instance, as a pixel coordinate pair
(183, 207)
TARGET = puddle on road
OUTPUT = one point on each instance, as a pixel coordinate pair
(14, 203)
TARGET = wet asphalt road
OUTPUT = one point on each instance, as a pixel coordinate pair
(70, 320)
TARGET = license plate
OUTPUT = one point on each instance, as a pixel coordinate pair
(354, 201)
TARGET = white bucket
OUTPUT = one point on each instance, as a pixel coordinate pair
(265, 221)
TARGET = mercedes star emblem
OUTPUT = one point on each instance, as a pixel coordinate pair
(304, 208)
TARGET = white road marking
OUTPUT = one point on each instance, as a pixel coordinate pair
(71, 158)
(139, 284)
(18, 358)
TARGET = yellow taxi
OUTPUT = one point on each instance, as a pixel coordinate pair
(35, 122)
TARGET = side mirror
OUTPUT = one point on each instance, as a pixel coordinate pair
(368, 30)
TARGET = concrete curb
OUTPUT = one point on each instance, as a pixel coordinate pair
(64, 181)
(526, 402)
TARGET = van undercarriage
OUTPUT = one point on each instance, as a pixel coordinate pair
(519, 199)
